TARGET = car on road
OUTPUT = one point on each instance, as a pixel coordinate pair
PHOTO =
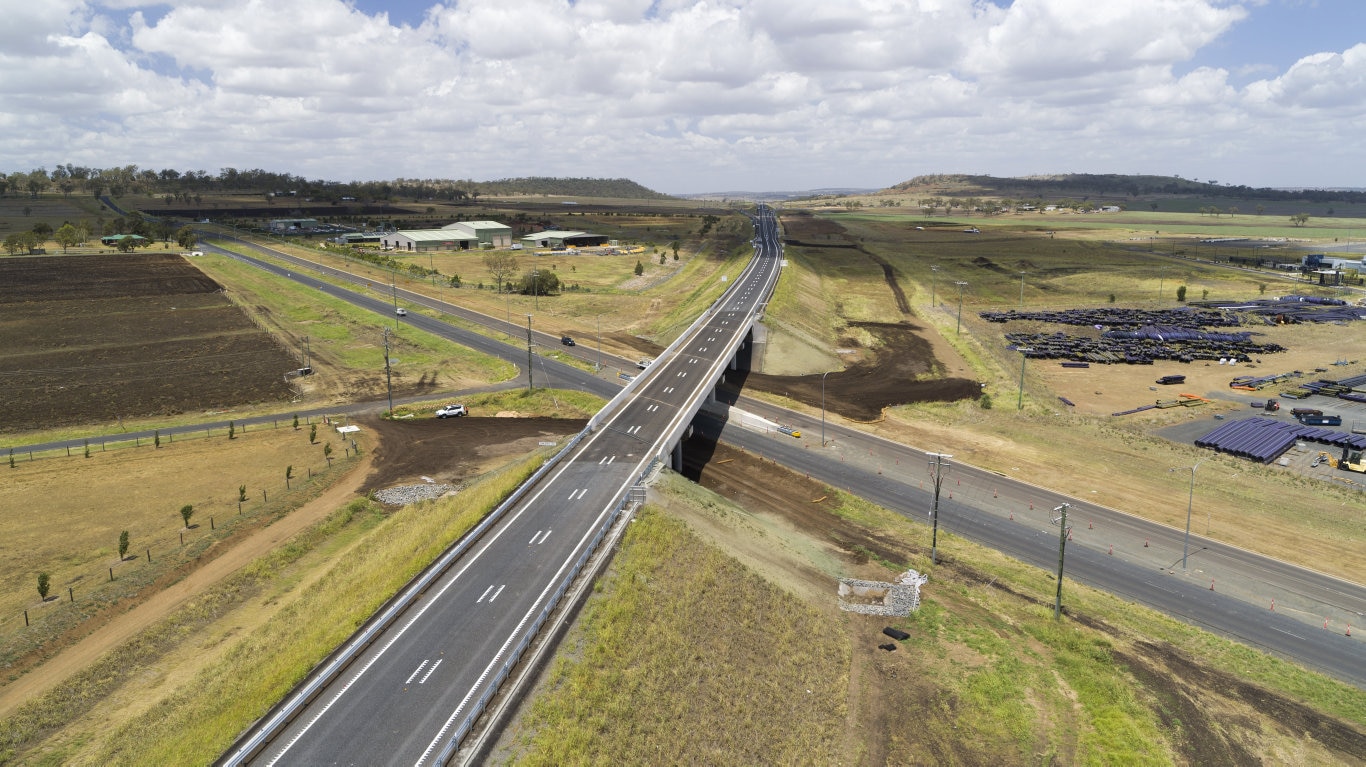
(567, 341)
(401, 312)
(451, 411)
(644, 363)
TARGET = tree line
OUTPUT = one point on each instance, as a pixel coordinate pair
(68, 179)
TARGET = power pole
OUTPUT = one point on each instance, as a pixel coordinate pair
(388, 378)
(1060, 519)
(528, 354)
(937, 465)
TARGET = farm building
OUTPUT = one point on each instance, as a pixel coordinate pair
(358, 238)
(293, 224)
(115, 239)
(557, 238)
(417, 240)
(490, 233)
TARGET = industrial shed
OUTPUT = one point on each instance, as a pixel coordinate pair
(557, 238)
(420, 240)
(490, 233)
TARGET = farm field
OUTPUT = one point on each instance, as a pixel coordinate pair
(96, 338)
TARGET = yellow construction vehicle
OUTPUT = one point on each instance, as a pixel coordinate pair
(1351, 460)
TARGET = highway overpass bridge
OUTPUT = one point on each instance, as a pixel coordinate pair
(410, 685)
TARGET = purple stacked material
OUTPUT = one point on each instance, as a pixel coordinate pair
(1265, 440)
(1138, 409)
(1067, 402)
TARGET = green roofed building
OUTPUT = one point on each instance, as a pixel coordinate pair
(421, 240)
(558, 238)
(491, 234)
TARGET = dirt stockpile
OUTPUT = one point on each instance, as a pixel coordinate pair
(902, 371)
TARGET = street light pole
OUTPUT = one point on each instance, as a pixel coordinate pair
(938, 465)
(528, 354)
(388, 379)
(1161, 278)
(1024, 355)
(1022, 276)
(599, 319)
(934, 275)
(393, 289)
(1190, 502)
(958, 329)
(823, 375)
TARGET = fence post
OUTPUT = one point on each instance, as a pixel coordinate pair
(71, 593)
(264, 497)
(26, 617)
(211, 527)
(149, 555)
(111, 575)
(182, 539)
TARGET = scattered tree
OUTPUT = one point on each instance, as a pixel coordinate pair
(1204, 294)
(289, 474)
(156, 438)
(1112, 298)
(327, 451)
(232, 430)
(185, 237)
(1261, 288)
(312, 433)
(186, 512)
(1299, 219)
(241, 493)
(296, 422)
(661, 259)
(44, 581)
(1181, 294)
(985, 401)
(501, 266)
(640, 269)
(674, 245)
(66, 236)
(123, 545)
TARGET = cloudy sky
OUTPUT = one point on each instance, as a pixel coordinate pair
(691, 95)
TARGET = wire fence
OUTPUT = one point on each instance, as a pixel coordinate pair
(94, 586)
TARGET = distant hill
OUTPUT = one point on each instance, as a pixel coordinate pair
(1109, 185)
(779, 196)
(566, 187)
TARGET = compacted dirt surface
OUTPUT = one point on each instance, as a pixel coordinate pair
(452, 450)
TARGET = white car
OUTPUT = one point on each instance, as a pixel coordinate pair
(644, 363)
(401, 312)
(451, 411)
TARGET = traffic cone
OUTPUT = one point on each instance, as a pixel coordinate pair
(993, 493)
(1031, 505)
(1325, 622)
(1273, 605)
(1349, 629)
(1211, 584)
(1012, 516)
(1145, 543)
(1112, 549)
(1090, 526)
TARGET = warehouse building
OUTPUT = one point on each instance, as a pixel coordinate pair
(422, 240)
(491, 234)
(557, 238)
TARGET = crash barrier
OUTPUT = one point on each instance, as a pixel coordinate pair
(505, 670)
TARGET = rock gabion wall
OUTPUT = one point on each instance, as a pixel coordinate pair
(899, 598)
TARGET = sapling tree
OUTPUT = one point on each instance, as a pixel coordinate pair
(241, 493)
(123, 545)
(156, 438)
(44, 581)
(296, 422)
(186, 512)
(232, 430)
(312, 433)
(289, 474)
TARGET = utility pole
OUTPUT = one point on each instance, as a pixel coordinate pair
(958, 329)
(937, 465)
(528, 354)
(1022, 276)
(1024, 355)
(599, 321)
(388, 378)
(823, 375)
(1190, 502)
(934, 275)
(1063, 531)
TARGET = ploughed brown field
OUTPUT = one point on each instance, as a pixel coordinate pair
(95, 338)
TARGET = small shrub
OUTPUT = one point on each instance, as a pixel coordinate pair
(44, 582)
(985, 401)
(123, 544)
(296, 422)
(232, 430)
(1181, 294)
(312, 433)
(186, 512)
(241, 493)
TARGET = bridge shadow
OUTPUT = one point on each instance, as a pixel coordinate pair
(700, 448)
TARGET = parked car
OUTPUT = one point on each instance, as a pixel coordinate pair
(567, 341)
(451, 411)
(644, 363)
(401, 312)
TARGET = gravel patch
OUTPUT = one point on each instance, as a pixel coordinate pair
(402, 495)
